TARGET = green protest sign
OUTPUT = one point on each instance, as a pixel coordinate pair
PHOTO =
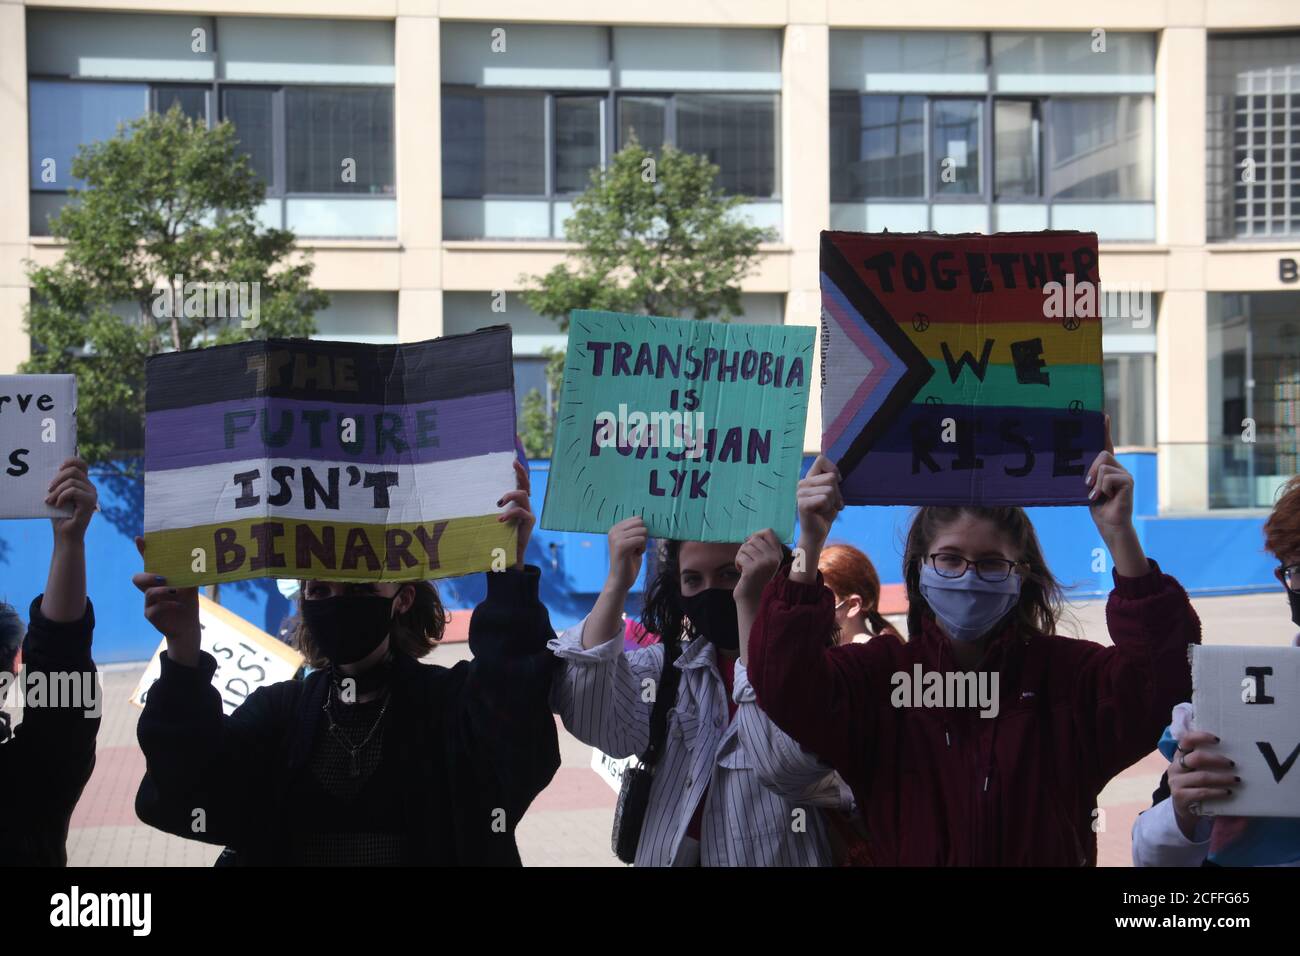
(696, 426)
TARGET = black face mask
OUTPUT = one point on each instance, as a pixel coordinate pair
(1294, 598)
(348, 627)
(713, 615)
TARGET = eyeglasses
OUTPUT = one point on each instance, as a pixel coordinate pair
(992, 570)
(1289, 575)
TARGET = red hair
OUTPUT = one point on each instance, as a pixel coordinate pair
(848, 571)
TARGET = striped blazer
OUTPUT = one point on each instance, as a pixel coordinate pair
(760, 790)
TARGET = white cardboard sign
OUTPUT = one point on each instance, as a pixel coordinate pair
(247, 657)
(1250, 698)
(38, 430)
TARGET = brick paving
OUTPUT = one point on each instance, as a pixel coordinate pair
(569, 824)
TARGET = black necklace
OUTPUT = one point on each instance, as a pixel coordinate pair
(353, 750)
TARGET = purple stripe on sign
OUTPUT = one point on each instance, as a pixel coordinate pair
(314, 431)
(1016, 456)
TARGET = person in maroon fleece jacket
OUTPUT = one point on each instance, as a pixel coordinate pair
(1013, 779)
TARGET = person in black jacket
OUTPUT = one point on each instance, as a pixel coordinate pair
(45, 764)
(375, 758)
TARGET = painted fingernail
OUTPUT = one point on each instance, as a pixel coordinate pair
(1236, 779)
(1218, 740)
(1092, 495)
(1229, 793)
(171, 590)
(1231, 762)
(500, 502)
(1090, 479)
(160, 579)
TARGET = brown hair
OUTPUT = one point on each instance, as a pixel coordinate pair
(1041, 599)
(847, 571)
(416, 631)
(1282, 529)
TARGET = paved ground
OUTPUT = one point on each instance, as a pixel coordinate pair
(569, 824)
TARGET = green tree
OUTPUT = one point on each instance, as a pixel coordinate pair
(168, 202)
(656, 236)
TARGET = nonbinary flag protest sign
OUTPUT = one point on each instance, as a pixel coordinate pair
(38, 432)
(1249, 697)
(247, 657)
(303, 459)
(961, 369)
(696, 426)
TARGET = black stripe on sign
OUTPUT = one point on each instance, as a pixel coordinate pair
(451, 367)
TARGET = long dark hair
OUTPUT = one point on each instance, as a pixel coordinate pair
(1042, 602)
(662, 612)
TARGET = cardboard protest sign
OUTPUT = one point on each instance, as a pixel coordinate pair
(1249, 697)
(696, 426)
(247, 657)
(38, 432)
(293, 458)
(961, 369)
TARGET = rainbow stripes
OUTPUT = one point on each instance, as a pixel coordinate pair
(953, 372)
(295, 458)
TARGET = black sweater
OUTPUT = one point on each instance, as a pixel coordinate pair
(475, 744)
(44, 766)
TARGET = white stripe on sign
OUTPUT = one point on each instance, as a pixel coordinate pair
(327, 491)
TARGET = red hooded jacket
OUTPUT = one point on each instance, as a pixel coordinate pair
(944, 786)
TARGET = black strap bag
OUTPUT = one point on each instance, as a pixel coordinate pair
(634, 796)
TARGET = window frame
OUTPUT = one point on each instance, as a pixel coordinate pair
(609, 116)
(215, 113)
(988, 145)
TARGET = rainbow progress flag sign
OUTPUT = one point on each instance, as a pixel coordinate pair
(961, 369)
(290, 458)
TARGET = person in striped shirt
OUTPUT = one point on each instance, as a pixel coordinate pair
(726, 790)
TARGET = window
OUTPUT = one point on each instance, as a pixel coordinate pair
(646, 119)
(1254, 365)
(192, 100)
(578, 140)
(1101, 148)
(1015, 139)
(1253, 136)
(956, 147)
(65, 116)
(493, 144)
(251, 111)
(877, 146)
(339, 140)
(992, 132)
(734, 131)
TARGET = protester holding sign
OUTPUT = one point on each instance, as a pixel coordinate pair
(1014, 779)
(44, 766)
(707, 803)
(1173, 832)
(375, 758)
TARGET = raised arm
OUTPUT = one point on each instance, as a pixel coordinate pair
(1127, 691)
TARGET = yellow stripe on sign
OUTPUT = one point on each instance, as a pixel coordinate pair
(1061, 346)
(330, 551)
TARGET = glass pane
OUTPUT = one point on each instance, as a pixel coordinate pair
(1015, 148)
(250, 111)
(877, 146)
(493, 144)
(193, 100)
(645, 118)
(1102, 148)
(737, 132)
(339, 139)
(577, 141)
(66, 116)
(955, 148)
(1131, 398)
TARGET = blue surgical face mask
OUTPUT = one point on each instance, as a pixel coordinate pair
(968, 606)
